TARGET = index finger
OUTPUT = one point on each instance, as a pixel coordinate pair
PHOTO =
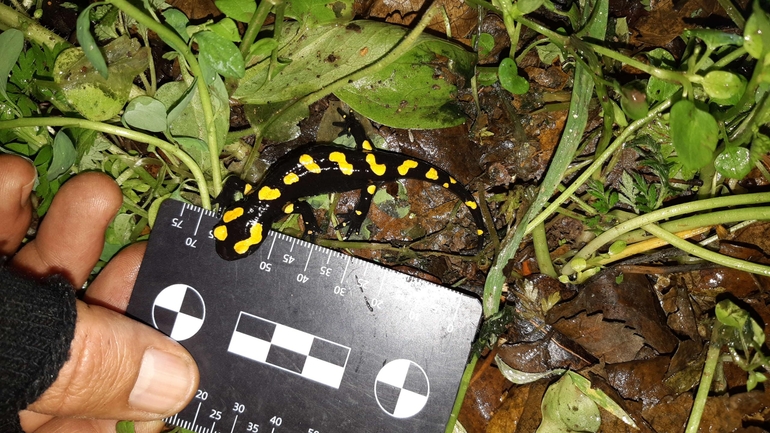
(17, 177)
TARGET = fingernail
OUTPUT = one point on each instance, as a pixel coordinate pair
(163, 382)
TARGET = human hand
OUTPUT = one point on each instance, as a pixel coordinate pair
(118, 369)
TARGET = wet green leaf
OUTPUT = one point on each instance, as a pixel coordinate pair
(694, 134)
(510, 78)
(178, 21)
(714, 38)
(93, 96)
(221, 54)
(734, 162)
(657, 89)
(144, 112)
(227, 29)
(239, 10)
(315, 12)
(724, 88)
(528, 6)
(566, 409)
(486, 42)
(756, 34)
(197, 149)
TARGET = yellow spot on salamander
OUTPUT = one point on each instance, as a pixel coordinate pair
(378, 169)
(471, 204)
(432, 174)
(358, 212)
(308, 162)
(339, 157)
(220, 233)
(452, 180)
(267, 193)
(367, 145)
(247, 189)
(371, 189)
(232, 214)
(255, 238)
(406, 166)
(289, 208)
(290, 178)
(479, 232)
(445, 185)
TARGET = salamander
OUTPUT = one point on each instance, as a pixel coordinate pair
(319, 169)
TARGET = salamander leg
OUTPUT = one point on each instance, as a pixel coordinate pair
(308, 218)
(353, 220)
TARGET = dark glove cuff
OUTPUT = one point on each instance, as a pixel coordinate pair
(37, 325)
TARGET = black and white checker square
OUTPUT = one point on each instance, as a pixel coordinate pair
(401, 388)
(289, 349)
(178, 311)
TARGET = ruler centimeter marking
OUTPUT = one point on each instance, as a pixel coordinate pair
(331, 344)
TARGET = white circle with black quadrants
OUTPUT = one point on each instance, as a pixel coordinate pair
(401, 388)
(178, 311)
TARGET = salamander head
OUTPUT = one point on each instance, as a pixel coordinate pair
(240, 231)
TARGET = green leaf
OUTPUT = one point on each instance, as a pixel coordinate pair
(724, 88)
(198, 150)
(261, 49)
(714, 38)
(178, 21)
(227, 29)
(88, 43)
(657, 89)
(144, 112)
(178, 107)
(510, 78)
(11, 44)
(522, 377)
(221, 54)
(600, 398)
(548, 53)
(486, 42)
(64, 155)
(694, 134)
(191, 122)
(566, 409)
(409, 93)
(756, 34)
(93, 96)
(239, 10)
(734, 162)
(284, 127)
(314, 12)
(528, 6)
(730, 314)
(125, 427)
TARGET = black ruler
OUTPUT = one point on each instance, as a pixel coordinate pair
(300, 338)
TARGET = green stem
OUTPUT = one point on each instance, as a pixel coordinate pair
(122, 132)
(709, 367)
(733, 13)
(461, 393)
(542, 254)
(32, 30)
(254, 27)
(711, 256)
(661, 214)
(702, 220)
(176, 43)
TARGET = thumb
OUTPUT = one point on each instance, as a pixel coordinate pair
(119, 369)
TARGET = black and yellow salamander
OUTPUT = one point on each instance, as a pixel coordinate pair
(320, 169)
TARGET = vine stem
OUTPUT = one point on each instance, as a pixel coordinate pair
(709, 367)
(119, 131)
(175, 42)
(661, 214)
(711, 256)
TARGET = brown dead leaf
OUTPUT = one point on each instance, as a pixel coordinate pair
(520, 411)
(611, 342)
(632, 302)
(668, 18)
(485, 395)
